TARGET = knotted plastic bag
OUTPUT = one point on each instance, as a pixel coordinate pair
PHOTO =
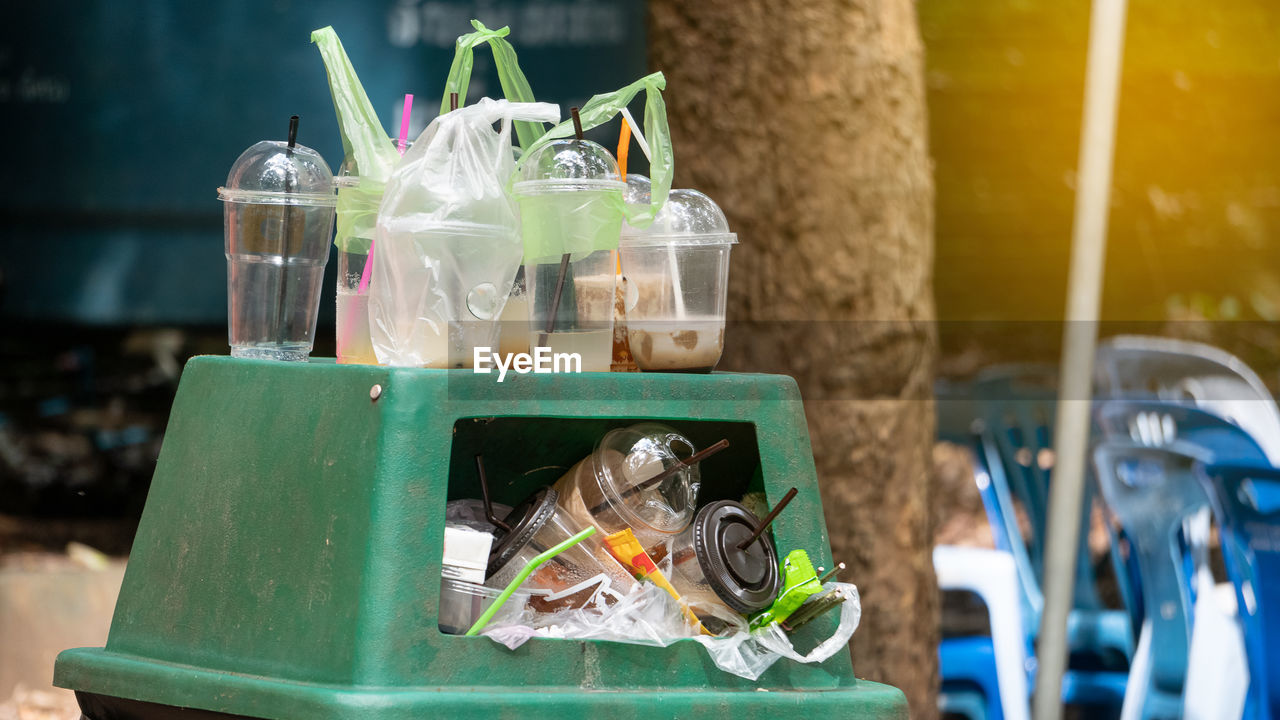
(602, 108)
(364, 143)
(515, 87)
(448, 238)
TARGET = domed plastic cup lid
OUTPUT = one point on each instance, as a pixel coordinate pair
(746, 580)
(566, 166)
(626, 457)
(526, 519)
(271, 173)
(687, 218)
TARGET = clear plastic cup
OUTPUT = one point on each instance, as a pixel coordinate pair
(607, 488)
(278, 219)
(721, 582)
(570, 196)
(677, 274)
(352, 331)
(357, 210)
(513, 336)
(462, 603)
(585, 575)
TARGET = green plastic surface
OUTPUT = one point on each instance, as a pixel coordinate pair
(288, 560)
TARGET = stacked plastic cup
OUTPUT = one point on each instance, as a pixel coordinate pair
(677, 274)
(570, 196)
(278, 219)
(609, 488)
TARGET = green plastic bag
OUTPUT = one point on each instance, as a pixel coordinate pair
(515, 87)
(800, 582)
(600, 109)
(363, 140)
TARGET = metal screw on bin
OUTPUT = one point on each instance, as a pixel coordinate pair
(375, 392)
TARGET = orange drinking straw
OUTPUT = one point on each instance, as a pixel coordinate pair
(624, 144)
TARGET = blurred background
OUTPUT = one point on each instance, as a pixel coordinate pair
(122, 119)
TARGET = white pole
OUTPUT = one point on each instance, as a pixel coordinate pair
(1079, 341)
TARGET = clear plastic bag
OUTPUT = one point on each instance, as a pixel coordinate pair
(448, 238)
(649, 616)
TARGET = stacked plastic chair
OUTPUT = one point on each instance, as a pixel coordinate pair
(1246, 503)
(1230, 443)
(1149, 482)
(1010, 413)
(984, 677)
(1017, 407)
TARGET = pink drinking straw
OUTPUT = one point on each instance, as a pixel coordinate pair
(404, 122)
(400, 145)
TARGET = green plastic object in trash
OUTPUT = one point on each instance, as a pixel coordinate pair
(287, 564)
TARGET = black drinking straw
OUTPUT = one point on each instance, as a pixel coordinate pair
(564, 259)
(484, 493)
(282, 318)
(453, 101)
(768, 519)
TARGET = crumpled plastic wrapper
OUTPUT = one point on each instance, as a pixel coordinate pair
(649, 616)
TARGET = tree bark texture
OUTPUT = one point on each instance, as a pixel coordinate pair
(806, 122)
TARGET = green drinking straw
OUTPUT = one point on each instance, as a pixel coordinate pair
(523, 575)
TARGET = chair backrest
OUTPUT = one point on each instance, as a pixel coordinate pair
(1136, 367)
(1156, 423)
(1017, 406)
(1153, 490)
(1246, 501)
(993, 485)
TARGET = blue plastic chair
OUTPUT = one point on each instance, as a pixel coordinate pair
(969, 420)
(1140, 367)
(1154, 490)
(1246, 503)
(1157, 423)
(970, 684)
(1018, 406)
(994, 665)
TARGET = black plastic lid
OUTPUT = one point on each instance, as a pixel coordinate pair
(746, 580)
(525, 519)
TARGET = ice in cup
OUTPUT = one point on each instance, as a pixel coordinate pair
(570, 196)
(608, 489)
(585, 575)
(720, 581)
(677, 273)
(278, 216)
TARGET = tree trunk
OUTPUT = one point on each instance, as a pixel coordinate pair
(806, 123)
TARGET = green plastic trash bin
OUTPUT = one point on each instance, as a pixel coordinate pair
(287, 565)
